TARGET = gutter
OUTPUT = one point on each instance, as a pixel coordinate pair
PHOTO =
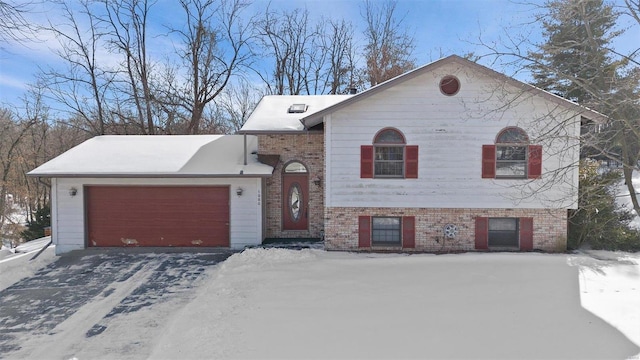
(147, 176)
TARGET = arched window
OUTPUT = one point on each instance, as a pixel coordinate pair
(389, 156)
(295, 167)
(512, 156)
(389, 153)
(511, 153)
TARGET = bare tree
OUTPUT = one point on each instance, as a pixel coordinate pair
(82, 88)
(13, 25)
(340, 74)
(287, 38)
(127, 20)
(389, 48)
(236, 103)
(34, 150)
(13, 132)
(215, 45)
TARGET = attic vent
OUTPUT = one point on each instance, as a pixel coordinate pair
(297, 108)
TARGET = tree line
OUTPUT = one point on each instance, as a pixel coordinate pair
(224, 59)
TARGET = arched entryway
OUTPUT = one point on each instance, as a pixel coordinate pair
(295, 196)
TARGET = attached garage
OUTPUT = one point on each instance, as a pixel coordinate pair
(157, 191)
(157, 215)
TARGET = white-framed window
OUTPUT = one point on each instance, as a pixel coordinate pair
(389, 159)
(512, 148)
(386, 231)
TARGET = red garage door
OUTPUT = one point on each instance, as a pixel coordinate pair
(157, 215)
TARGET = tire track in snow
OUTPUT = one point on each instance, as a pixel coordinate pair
(73, 330)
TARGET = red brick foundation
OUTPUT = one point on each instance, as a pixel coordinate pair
(341, 224)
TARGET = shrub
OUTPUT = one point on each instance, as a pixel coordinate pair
(35, 227)
(599, 220)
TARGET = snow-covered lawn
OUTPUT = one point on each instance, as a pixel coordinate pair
(625, 200)
(277, 303)
(16, 264)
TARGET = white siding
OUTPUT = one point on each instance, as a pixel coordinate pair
(68, 216)
(450, 132)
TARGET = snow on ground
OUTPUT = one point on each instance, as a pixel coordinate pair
(16, 264)
(625, 200)
(610, 289)
(276, 303)
(280, 303)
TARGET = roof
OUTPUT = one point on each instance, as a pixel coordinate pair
(315, 118)
(158, 156)
(271, 114)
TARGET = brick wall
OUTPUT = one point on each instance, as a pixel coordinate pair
(308, 149)
(549, 227)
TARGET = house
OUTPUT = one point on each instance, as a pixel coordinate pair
(451, 156)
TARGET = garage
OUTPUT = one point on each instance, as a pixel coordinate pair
(159, 216)
(131, 191)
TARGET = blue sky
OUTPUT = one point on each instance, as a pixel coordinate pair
(440, 28)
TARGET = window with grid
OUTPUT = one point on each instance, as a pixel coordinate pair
(389, 159)
(511, 153)
(386, 231)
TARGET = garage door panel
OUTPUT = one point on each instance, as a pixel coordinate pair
(158, 216)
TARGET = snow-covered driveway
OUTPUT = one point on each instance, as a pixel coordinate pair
(65, 307)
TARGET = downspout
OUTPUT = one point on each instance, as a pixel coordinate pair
(245, 149)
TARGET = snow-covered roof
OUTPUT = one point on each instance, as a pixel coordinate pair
(272, 112)
(158, 156)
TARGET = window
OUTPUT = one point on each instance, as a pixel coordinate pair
(503, 232)
(386, 231)
(297, 108)
(512, 157)
(511, 153)
(389, 157)
(449, 85)
(295, 167)
(389, 154)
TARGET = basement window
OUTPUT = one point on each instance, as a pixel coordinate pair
(386, 231)
(297, 108)
(503, 232)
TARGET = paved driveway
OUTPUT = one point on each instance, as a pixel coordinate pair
(117, 282)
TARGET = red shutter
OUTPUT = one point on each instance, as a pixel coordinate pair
(409, 232)
(488, 161)
(364, 231)
(535, 161)
(411, 162)
(482, 233)
(526, 233)
(366, 161)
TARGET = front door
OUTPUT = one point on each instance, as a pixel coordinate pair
(295, 200)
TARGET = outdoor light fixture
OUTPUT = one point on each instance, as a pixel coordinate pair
(73, 191)
(318, 181)
(239, 191)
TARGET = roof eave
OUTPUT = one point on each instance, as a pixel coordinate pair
(316, 118)
(277, 132)
(148, 176)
